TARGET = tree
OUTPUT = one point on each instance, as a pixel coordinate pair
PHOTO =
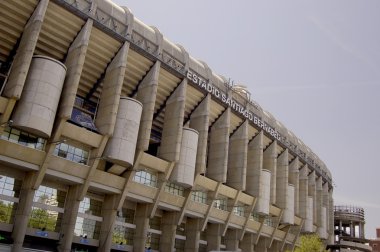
(5, 212)
(42, 219)
(310, 243)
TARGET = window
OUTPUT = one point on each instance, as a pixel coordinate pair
(7, 211)
(122, 235)
(155, 223)
(269, 221)
(83, 113)
(153, 241)
(199, 196)
(23, 138)
(181, 229)
(71, 153)
(9, 192)
(255, 216)
(48, 208)
(221, 204)
(145, 178)
(179, 245)
(174, 189)
(9, 186)
(126, 216)
(50, 196)
(89, 218)
(238, 210)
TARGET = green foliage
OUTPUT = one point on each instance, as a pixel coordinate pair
(310, 243)
(5, 212)
(40, 218)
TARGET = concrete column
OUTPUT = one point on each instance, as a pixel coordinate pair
(294, 180)
(169, 228)
(142, 225)
(218, 149)
(303, 191)
(192, 234)
(247, 244)
(352, 233)
(173, 123)
(262, 245)
(319, 201)
(232, 239)
(25, 51)
(74, 63)
(275, 247)
(237, 158)
(313, 194)
(331, 216)
(326, 205)
(199, 120)
(146, 94)
(69, 219)
(255, 165)
(213, 236)
(109, 211)
(110, 96)
(282, 180)
(24, 209)
(270, 163)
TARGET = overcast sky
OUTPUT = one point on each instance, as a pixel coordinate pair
(314, 65)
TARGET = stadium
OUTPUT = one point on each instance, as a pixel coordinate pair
(115, 139)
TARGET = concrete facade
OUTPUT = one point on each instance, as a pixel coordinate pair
(136, 144)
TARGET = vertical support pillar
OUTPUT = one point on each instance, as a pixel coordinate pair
(74, 63)
(255, 165)
(270, 163)
(192, 234)
(218, 149)
(232, 240)
(69, 219)
(262, 245)
(142, 226)
(213, 236)
(23, 212)
(169, 228)
(173, 123)
(331, 216)
(199, 120)
(22, 60)
(275, 247)
(303, 191)
(146, 94)
(294, 180)
(247, 244)
(319, 201)
(313, 194)
(282, 181)
(109, 211)
(25, 51)
(110, 96)
(237, 158)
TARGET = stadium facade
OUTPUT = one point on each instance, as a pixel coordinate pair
(114, 138)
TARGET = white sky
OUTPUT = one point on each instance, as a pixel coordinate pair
(314, 65)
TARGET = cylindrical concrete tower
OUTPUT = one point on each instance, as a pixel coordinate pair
(183, 172)
(288, 216)
(308, 227)
(322, 231)
(121, 147)
(35, 111)
(262, 205)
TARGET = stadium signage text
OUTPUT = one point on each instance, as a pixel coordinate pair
(229, 101)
